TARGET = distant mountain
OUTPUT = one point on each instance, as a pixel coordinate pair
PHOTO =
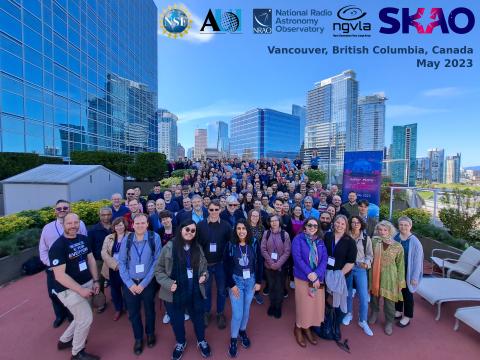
(474, 168)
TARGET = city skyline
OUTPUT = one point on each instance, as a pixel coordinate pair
(433, 99)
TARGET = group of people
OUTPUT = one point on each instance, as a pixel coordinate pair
(255, 227)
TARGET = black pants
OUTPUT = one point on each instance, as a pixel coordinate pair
(405, 306)
(134, 305)
(276, 285)
(61, 312)
(177, 320)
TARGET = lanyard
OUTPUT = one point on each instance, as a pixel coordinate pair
(56, 228)
(139, 253)
(241, 252)
(187, 258)
(333, 245)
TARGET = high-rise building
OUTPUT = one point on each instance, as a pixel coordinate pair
(78, 75)
(167, 133)
(260, 133)
(301, 113)
(331, 121)
(453, 166)
(436, 162)
(223, 141)
(403, 154)
(180, 152)
(370, 126)
(200, 143)
(423, 169)
(190, 152)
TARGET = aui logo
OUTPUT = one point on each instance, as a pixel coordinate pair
(460, 20)
(262, 21)
(223, 21)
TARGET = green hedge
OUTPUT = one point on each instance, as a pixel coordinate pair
(19, 241)
(117, 162)
(180, 173)
(316, 175)
(149, 166)
(12, 164)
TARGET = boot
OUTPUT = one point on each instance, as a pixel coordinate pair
(299, 336)
(373, 317)
(310, 337)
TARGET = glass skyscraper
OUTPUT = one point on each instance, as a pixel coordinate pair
(301, 112)
(452, 169)
(437, 165)
(370, 126)
(265, 133)
(403, 155)
(167, 134)
(78, 75)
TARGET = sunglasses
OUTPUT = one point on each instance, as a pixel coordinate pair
(312, 226)
(130, 193)
(214, 210)
(356, 223)
(232, 205)
(189, 230)
(62, 208)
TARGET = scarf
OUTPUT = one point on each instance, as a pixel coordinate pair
(377, 262)
(313, 253)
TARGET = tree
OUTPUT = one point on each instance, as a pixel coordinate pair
(149, 166)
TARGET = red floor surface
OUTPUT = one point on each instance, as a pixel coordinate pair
(26, 333)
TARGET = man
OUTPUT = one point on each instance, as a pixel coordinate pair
(298, 163)
(185, 212)
(185, 194)
(370, 221)
(315, 200)
(233, 212)
(134, 208)
(50, 233)
(199, 212)
(137, 258)
(156, 194)
(118, 209)
(314, 161)
(170, 204)
(213, 235)
(326, 222)
(309, 210)
(351, 206)
(206, 201)
(339, 209)
(286, 220)
(266, 206)
(257, 205)
(138, 196)
(96, 236)
(322, 204)
(76, 280)
(333, 192)
(297, 200)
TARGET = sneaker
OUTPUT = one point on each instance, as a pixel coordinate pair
(285, 293)
(244, 339)
(365, 327)
(346, 319)
(258, 298)
(64, 345)
(221, 321)
(178, 351)
(204, 348)
(292, 284)
(186, 317)
(83, 355)
(232, 350)
(206, 319)
(388, 328)
(166, 319)
(265, 291)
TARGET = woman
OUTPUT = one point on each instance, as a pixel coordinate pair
(332, 211)
(247, 204)
(256, 228)
(181, 272)
(297, 220)
(342, 254)
(151, 207)
(110, 250)
(309, 266)
(243, 276)
(387, 278)
(276, 248)
(360, 273)
(413, 256)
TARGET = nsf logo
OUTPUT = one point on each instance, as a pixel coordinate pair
(175, 22)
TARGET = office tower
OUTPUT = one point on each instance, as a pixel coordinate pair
(301, 113)
(436, 161)
(200, 143)
(331, 121)
(453, 166)
(370, 126)
(190, 153)
(265, 133)
(78, 75)
(223, 141)
(180, 152)
(167, 133)
(423, 169)
(404, 154)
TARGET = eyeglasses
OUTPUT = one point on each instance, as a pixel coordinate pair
(214, 209)
(356, 223)
(189, 230)
(130, 193)
(312, 226)
(62, 208)
(232, 205)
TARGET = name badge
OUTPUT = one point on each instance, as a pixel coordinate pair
(190, 273)
(140, 268)
(246, 274)
(331, 261)
(82, 265)
(274, 256)
(213, 247)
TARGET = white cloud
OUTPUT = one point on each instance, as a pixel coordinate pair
(395, 111)
(443, 92)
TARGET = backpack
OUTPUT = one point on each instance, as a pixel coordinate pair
(33, 266)
(151, 243)
(330, 329)
(282, 234)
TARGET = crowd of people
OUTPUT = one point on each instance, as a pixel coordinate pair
(256, 228)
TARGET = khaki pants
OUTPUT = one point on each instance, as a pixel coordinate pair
(388, 308)
(82, 318)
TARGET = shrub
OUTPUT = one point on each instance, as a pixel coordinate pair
(180, 173)
(316, 175)
(88, 210)
(116, 162)
(439, 234)
(385, 213)
(418, 216)
(149, 166)
(459, 222)
(168, 182)
(11, 224)
(19, 241)
(15, 163)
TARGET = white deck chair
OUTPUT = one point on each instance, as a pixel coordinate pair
(439, 290)
(464, 265)
(469, 316)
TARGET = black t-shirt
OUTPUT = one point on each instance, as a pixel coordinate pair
(73, 253)
(345, 250)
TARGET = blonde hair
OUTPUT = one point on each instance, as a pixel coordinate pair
(387, 224)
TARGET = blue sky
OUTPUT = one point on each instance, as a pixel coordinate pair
(204, 78)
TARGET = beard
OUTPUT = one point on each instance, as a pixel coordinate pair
(325, 225)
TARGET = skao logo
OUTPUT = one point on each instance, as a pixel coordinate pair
(460, 20)
(352, 26)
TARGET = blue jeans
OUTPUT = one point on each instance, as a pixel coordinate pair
(219, 274)
(361, 281)
(241, 305)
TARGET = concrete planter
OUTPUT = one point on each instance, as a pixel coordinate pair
(11, 266)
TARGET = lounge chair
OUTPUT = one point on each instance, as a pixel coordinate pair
(439, 290)
(464, 265)
(468, 315)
